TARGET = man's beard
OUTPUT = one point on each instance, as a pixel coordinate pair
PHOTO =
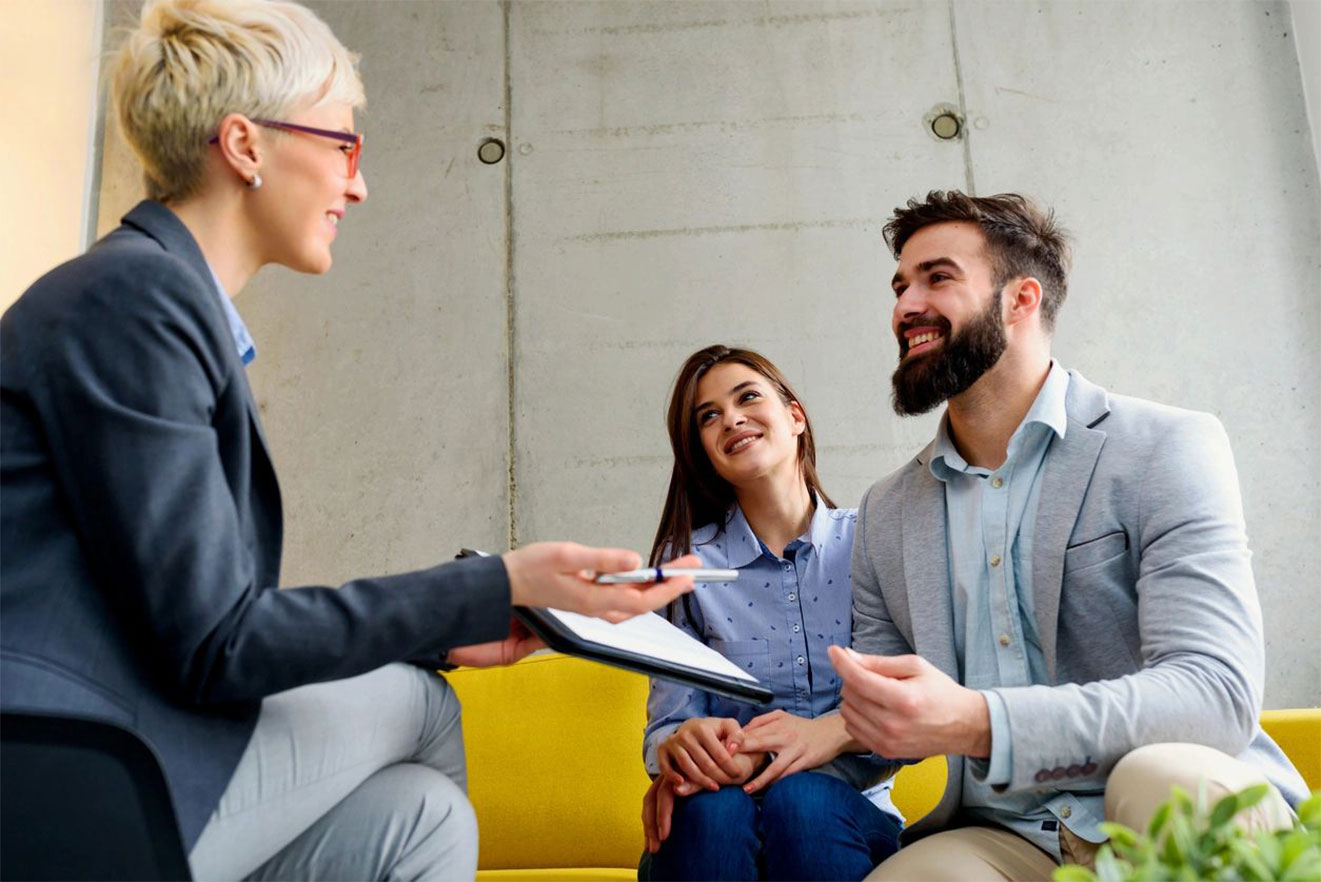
(927, 380)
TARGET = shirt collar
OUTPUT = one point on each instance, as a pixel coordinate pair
(742, 546)
(1048, 409)
(247, 350)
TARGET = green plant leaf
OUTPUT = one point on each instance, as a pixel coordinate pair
(1251, 862)
(1307, 867)
(1072, 873)
(1224, 810)
(1250, 796)
(1309, 810)
(1158, 821)
(1109, 868)
(1181, 801)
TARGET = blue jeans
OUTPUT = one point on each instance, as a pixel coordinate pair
(804, 826)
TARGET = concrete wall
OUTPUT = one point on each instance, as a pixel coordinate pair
(488, 362)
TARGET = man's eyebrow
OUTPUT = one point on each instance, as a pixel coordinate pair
(738, 388)
(927, 266)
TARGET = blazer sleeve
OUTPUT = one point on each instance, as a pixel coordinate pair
(126, 390)
(1202, 655)
(874, 629)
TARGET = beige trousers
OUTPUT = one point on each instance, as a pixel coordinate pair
(1138, 784)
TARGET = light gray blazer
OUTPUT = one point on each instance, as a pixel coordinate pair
(1143, 591)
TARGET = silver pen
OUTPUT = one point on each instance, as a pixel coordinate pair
(660, 574)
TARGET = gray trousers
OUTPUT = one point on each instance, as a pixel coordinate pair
(354, 779)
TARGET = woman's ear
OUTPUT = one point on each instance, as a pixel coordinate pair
(799, 418)
(239, 141)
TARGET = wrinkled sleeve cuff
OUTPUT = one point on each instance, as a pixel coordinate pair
(652, 746)
(1002, 748)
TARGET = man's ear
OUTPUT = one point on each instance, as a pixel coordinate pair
(238, 138)
(1022, 298)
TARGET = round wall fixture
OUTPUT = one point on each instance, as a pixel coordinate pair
(491, 151)
(946, 126)
(944, 122)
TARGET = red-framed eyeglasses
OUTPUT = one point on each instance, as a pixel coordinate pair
(354, 139)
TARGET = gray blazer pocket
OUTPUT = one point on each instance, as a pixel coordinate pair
(1095, 551)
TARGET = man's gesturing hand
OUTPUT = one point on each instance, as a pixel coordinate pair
(559, 575)
(903, 707)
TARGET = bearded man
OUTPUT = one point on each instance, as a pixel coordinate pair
(1056, 592)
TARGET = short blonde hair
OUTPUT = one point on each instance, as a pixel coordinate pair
(188, 63)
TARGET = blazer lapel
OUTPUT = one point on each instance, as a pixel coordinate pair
(1065, 477)
(926, 567)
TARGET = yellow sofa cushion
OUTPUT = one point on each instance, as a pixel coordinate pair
(1298, 732)
(555, 762)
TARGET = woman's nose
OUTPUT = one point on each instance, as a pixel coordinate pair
(357, 189)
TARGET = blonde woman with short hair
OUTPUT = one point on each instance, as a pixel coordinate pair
(141, 522)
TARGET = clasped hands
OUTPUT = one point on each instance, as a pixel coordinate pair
(713, 752)
(899, 707)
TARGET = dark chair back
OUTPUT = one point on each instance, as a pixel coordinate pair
(82, 799)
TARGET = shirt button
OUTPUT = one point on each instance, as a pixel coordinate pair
(997, 482)
(1066, 812)
(799, 659)
(793, 596)
(1004, 639)
(797, 629)
(995, 560)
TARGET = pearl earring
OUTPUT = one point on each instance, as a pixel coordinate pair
(255, 183)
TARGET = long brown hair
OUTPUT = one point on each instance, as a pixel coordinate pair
(698, 495)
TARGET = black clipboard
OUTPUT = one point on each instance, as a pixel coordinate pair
(562, 639)
(559, 637)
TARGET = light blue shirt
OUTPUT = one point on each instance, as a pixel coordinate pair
(991, 519)
(247, 350)
(775, 622)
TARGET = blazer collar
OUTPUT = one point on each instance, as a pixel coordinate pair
(163, 225)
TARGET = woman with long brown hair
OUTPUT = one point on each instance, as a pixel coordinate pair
(741, 792)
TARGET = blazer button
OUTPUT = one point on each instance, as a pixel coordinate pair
(1075, 770)
(1058, 772)
(1042, 776)
(1089, 768)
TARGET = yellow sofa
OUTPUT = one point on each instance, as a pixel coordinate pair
(555, 767)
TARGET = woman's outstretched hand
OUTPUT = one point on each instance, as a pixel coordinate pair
(519, 643)
(559, 575)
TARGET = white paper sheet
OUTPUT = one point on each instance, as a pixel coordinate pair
(650, 634)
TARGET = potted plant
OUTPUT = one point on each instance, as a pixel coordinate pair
(1185, 841)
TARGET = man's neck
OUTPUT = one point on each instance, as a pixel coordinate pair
(778, 508)
(984, 417)
(215, 221)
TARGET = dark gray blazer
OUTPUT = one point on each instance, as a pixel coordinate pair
(140, 523)
(1143, 594)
